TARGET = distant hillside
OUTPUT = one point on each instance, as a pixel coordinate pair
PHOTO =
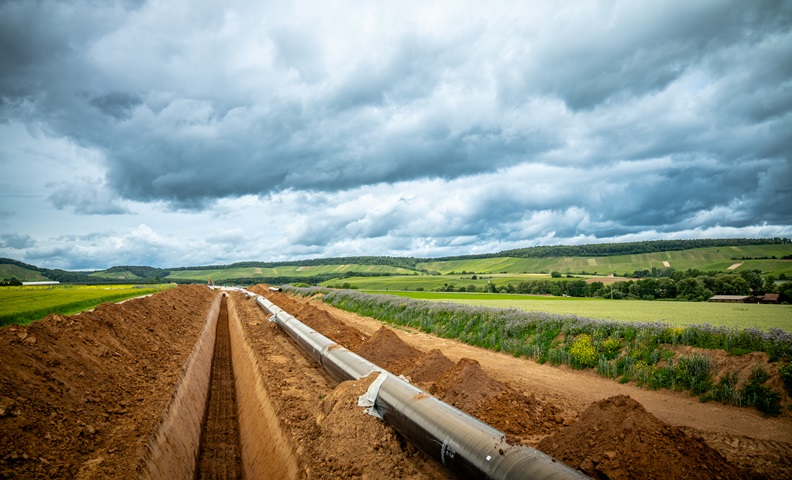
(716, 254)
(628, 248)
(23, 274)
(767, 258)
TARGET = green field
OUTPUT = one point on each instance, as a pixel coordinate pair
(713, 258)
(762, 317)
(25, 304)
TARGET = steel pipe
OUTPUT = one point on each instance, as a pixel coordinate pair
(465, 445)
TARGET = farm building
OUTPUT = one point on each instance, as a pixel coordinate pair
(769, 298)
(733, 299)
(41, 283)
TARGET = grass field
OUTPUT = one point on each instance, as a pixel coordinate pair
(22, 305)
(762, 317)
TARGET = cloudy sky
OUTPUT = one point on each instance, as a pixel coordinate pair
(175, 132)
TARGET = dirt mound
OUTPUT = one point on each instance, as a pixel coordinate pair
(617, 438)
(523, 418)
(349, 434)
(429, 369)
(84, 392)
(280, 299)
(330, 327)
(466, 386)
(315, 318)
(388, 351)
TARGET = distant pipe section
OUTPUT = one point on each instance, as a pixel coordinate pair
(465, 445)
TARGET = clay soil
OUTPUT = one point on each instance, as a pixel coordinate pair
(81, 395)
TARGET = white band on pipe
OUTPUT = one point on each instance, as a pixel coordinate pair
(369, 398)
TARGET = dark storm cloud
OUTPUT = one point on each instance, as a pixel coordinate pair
(85, 196)
(117, 104)
(592, 118)
(16, 241)
(634, 49)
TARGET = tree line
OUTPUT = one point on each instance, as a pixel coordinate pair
(688, 285)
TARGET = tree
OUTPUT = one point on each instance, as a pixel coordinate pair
(577, 288)
(595, 289)
(769, 284)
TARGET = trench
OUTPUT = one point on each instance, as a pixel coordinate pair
(220, 455)
(220, 422)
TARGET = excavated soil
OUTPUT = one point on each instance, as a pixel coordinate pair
(385, 349)
(81, 396)
(85, 392)
(617, 438)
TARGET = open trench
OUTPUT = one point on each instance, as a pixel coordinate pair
(220, 456)
(220, 423)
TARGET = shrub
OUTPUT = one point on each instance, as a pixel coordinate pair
(756, 393)
(582, 352)
(606, 367)
(610, 348)
(694, 372)
(785, 370)
(726, 390)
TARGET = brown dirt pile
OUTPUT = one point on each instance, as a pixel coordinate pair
(522, 417)
(85, 392)
(616, 438)
(429, 369)
(387, 350)
(772, 459)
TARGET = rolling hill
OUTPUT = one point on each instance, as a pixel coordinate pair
(773, 256)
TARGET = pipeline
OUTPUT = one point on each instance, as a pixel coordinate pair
(465, 445)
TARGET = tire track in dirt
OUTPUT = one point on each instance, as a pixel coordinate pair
(220, 455)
